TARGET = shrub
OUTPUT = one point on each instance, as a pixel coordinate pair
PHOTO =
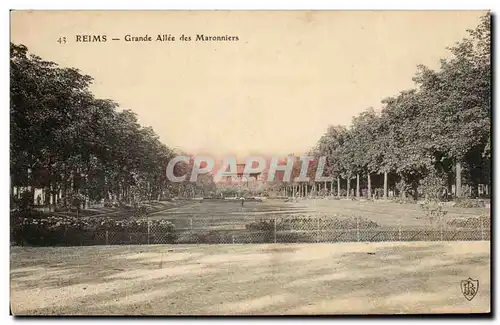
(305, 223)
(433, 186)
(469, 203)
(433, 208)
(471, 222)
(42, 230)
(24, 203)
(260, 225)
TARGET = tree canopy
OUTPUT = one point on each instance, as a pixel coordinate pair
(444, 121)
(67, 141)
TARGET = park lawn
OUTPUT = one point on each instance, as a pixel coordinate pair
(384, 213)
(263, 279)
(388, 213)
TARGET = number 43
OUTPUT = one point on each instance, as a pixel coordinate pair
(61, 40)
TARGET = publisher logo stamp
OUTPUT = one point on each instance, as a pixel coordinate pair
(469, 288)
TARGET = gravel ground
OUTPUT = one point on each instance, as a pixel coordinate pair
(343, 278)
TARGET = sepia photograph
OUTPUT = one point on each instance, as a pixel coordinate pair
(248, 163)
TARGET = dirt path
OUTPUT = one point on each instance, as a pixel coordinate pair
(250, 279)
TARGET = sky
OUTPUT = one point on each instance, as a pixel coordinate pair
(272, 92)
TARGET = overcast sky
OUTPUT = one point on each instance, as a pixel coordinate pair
(273, 92)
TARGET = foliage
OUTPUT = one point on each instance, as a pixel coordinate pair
(40, 230)
(481, 222)
(24, 203)
(433, 209)
(310, 223)
(64, 139)
(469, 203)
(433, 186)
(443, 122)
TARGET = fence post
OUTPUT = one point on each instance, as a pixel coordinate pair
(357, 227)
(149, 230)
(444, 228)
(482, 228)
(441, 225)
(318, 230)
(275, 230)
(399, 229)
(107, 238)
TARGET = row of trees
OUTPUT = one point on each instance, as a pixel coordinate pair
(427, 138)
(71, 144)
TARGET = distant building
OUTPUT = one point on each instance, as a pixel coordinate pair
(239, 180)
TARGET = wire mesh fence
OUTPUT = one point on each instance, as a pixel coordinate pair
(255, 230)
(323, 230)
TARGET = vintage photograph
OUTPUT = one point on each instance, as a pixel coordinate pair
(230, 163)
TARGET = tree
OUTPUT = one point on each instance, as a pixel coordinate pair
(70, 143)
(422, 134)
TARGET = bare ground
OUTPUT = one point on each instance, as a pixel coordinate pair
(343, 278)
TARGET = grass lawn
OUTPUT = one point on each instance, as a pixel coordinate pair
(216, 213)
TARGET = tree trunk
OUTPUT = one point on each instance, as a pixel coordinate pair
(385, 185)
(348, 186)
(54, 201)
(338, 187)
(458, 180)
(357, 186)
(46, 196)
(369, 186)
